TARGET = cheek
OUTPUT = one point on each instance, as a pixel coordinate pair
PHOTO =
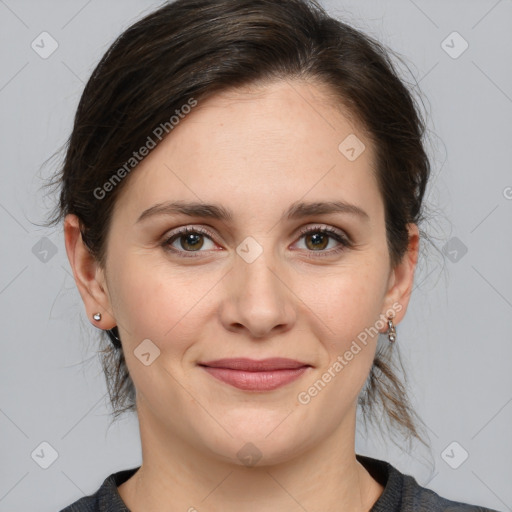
(349, 308)
(157, 304)
(346, 309)
(153, 305)
(344, 303)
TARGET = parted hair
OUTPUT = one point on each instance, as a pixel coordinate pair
(195, 48)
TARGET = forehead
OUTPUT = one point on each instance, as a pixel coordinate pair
(257, 147)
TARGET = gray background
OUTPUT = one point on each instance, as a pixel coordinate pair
(455, 339)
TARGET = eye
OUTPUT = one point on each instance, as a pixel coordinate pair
(188, 239)
(317, 239)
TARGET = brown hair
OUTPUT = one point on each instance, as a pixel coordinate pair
(194, 48)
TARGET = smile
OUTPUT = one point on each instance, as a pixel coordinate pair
(252, 375)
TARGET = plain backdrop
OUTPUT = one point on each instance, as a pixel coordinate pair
(455, 340)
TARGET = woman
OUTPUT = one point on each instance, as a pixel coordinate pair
(241, 197)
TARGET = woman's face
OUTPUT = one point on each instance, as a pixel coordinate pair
(252, 285)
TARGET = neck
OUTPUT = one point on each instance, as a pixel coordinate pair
(175, 474)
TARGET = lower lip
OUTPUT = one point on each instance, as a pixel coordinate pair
(256, 381)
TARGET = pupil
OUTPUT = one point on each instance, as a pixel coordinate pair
(318, 240)
(192, 239)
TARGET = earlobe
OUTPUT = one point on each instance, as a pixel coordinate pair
(89, 277)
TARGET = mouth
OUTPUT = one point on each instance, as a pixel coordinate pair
(253, 375)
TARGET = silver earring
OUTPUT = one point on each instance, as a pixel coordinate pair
(97, 316)
(391, 331)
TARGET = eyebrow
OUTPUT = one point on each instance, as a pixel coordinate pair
(297, 210)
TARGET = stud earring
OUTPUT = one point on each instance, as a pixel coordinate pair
(97, 316)
(391, 330)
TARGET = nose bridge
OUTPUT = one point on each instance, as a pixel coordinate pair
(260, 299)
(255, 263)
(255, 268)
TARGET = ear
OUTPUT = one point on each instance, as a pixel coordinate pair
(401, 279)
(89, 277)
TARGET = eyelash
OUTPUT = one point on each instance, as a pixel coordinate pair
(332, 233)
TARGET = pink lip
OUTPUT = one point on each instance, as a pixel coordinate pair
(249, 374)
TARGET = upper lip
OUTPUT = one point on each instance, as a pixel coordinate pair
(274, 363)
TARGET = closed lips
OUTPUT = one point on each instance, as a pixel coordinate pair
(256, 376)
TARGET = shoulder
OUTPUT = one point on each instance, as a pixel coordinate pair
(106, 498)
(403, 493)
(85, 504)
(416, 497)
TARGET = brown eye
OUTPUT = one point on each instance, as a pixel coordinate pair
(317, 240)
(187, 240)
(191, 241)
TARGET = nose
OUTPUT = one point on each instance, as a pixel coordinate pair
(258, 298)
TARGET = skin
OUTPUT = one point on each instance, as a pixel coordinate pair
(255, 151)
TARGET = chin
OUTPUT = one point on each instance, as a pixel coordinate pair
(253, 453)
(255, 443)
